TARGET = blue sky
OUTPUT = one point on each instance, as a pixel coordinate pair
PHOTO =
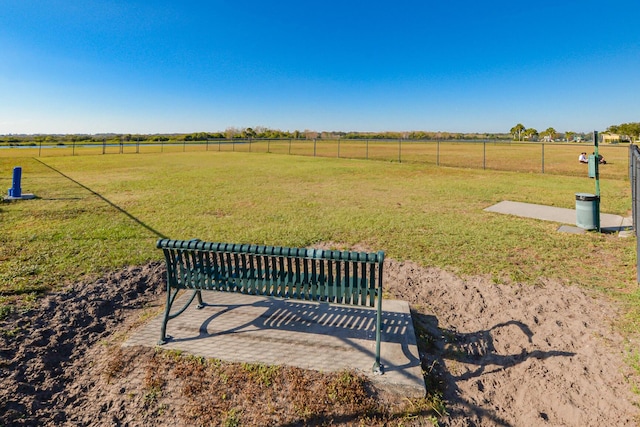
(189, 66)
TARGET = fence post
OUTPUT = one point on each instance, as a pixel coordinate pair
(268, 145)
(338, 147)
(399, 150)
(290, 145)
(634, 163)
(437, 152)
(636, 208)
(632, 180)
(73, 147)
(40, 149)
(543, 157)
(314, 147)
(367, 152)
(484, 154)
(104, 144)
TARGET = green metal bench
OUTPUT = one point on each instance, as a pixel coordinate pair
(341, 277)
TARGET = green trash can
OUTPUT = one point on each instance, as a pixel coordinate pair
(587, 211)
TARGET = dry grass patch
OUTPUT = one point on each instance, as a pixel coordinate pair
(212, 392)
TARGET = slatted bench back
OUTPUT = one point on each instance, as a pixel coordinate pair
(341, 277)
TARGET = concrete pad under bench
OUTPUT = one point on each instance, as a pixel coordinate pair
(310, 335)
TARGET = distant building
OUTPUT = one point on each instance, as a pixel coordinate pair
(614, 138)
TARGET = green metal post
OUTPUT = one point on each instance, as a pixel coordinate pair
(597, 178)
(377, 365)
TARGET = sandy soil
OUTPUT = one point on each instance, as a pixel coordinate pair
(508, 355)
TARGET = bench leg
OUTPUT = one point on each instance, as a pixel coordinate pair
(171, 296)
(200, 302)
(378, 368)
(165, 317)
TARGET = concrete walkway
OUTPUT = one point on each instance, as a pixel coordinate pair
(608, 222)
(252, 329)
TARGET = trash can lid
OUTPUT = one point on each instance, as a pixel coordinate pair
(586, 196)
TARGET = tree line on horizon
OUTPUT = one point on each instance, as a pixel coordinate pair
(246, 133)
(517, 133)
(627, 132)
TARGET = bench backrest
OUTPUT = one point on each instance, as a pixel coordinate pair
(341, 277)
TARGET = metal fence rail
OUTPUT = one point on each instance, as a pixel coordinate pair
(532, 157)
(634, 179)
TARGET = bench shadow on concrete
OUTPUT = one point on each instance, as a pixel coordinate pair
(348, 324)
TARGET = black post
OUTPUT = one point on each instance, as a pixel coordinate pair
(484, 154)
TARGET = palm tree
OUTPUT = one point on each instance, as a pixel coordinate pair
(530, 133)
(552, 133)
(516, 131)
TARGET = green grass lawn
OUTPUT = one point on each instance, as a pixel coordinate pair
(95, 213)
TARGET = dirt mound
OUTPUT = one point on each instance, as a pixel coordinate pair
(518, 355)
(45, 350)
(507, 355)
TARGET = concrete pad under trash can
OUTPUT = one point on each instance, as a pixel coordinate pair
(608, 222)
